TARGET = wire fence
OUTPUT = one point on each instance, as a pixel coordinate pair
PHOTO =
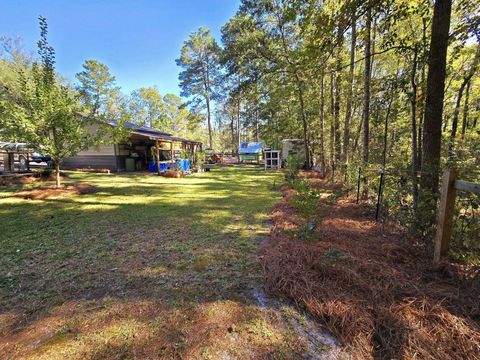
(390, 191)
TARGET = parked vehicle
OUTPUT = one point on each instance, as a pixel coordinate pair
(16, 156)
(39, 158)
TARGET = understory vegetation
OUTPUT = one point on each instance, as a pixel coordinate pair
(365, 281)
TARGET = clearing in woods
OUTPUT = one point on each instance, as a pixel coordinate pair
(146, 267)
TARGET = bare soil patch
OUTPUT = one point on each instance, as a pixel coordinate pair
(375, 290)
(46, 192)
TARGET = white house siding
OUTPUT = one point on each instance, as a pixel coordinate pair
(96, 157)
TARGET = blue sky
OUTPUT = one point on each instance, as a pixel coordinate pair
(138, 39)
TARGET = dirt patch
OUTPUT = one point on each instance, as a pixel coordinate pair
(371, 287)
(42, 193)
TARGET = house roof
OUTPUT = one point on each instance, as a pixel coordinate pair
(139, 129)
(151, 133)
(250, 148)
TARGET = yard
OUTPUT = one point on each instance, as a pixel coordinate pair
(147, 267)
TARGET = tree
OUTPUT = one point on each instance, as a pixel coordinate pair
(147, 108)
(178, 119)
(467, 77)
(200, 58)
(348, 110)
(97, 88)
(46, 115)
(366, 87)
(432, 125)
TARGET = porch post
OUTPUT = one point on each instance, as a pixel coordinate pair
(158, 157)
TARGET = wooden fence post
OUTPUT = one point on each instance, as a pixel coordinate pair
(445, 214)
(157, 149)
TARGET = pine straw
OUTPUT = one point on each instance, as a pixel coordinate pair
(42, 193)
(380, 295)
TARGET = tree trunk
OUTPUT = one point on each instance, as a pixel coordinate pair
(232, 130)
(367, 76)
(465, 110)
(304, 123)
(385, 134)
(57, 174)
(238, 129)
(322, 124)
(348, 106)
(366, 99)
(413, 104)
(475, 119)
(332, 124)
(421, 107)
(453, 133)
(338, 144)
(432, 122)
(421, 103)
(338, 91)
(207, 99)
(256, 123)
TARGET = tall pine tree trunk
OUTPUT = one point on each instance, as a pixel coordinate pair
(366, 88)
(332, 124)
(338, 91)
(304, 123)
(432, 124)
(413, 104)
(322, 124)
(348, 106)
(209, 122)
(366, 99)
(238, 129)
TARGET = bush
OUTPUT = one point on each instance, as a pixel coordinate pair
(292, 169)
(306, 199)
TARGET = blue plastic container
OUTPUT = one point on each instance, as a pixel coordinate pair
(152, 167)
(182, 164)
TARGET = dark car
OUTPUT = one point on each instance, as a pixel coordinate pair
(38, 158)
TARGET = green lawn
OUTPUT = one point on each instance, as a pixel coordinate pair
(147, 267)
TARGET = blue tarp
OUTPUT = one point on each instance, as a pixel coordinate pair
(250, 148)
(182, 164)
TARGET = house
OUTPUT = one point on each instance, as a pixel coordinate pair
(143, 146)
(250, 151)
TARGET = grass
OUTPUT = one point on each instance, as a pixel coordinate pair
(145, 267)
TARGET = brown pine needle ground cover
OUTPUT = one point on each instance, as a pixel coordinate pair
(48, 192)
(377, 292)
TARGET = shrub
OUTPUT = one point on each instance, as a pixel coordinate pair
(306, 199)
(292, 169)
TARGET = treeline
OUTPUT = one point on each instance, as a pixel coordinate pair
(374, 85)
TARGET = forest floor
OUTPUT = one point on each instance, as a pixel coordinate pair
(368, 283)
(141, 266)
